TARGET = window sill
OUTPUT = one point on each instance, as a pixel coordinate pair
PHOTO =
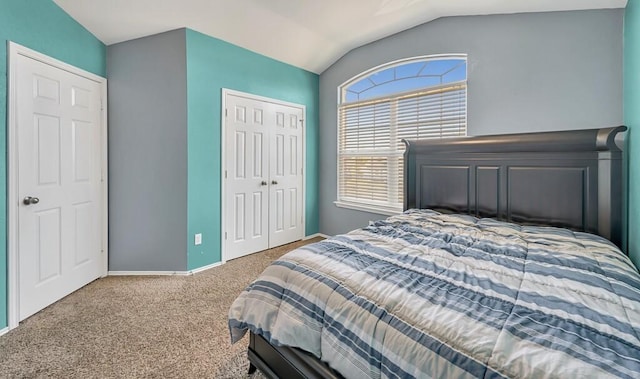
(377, 209)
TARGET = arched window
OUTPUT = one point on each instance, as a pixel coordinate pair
(424, 97)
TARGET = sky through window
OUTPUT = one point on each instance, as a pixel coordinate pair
(406, 77)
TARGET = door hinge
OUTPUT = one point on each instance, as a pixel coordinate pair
(225, 174)
(101, 105)
(225, 235)
(226, 112)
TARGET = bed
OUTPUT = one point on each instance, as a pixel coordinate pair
(504, 264)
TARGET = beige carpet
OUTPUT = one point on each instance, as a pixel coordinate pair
(138, 327)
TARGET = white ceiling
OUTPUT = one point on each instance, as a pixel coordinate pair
(311, 34)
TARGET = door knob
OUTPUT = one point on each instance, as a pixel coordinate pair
(264, 183)
(274, 182)
(30, 200)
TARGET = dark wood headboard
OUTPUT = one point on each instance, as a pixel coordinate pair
(571, 179)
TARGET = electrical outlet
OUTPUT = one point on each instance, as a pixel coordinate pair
(198, 239)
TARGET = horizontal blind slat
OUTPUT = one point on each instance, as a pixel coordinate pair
(370, 134)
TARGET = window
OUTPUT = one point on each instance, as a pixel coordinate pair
(423, 97)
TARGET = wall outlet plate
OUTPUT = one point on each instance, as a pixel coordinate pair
(198, 239)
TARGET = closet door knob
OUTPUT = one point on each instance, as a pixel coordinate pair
(30, 200)
(274, 182)
(264, 183)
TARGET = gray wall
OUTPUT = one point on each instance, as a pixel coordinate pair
(526, 72)
(148, 153)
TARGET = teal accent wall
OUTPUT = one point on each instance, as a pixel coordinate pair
(632, 120)
(42, 26)
(212, 65)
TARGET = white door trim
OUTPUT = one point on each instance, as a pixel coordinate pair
(13, 51)
(225, 92)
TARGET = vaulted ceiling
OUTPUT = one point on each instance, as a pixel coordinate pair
(311, 34)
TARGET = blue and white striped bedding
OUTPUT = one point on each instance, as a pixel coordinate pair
(425, 294)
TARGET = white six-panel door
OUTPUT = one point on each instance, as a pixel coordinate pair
(247, 177)
(285, 194)
(60, 220)
(263, 184)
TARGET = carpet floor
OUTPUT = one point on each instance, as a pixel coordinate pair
(139, 327)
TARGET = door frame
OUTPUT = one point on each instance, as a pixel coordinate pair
(223, 191)
(13, 269)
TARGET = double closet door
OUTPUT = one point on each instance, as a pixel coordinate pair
(263, 174)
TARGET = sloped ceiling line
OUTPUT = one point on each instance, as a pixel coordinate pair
(309, 34)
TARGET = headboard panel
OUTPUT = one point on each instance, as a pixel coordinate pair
(571, 179)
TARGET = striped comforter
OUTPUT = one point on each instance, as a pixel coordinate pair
(425, 294)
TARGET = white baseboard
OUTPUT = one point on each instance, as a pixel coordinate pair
(4, 331)
(164, 273)
(147, 273)
(205, 268)
(315, 235)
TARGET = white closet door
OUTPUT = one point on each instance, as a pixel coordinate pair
(247, 177)
(285, 195)
(263, 198)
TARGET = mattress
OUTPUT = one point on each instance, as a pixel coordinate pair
(425, 294)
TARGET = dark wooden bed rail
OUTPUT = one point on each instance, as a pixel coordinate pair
(570, 179)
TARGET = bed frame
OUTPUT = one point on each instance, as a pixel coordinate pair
(570, 179)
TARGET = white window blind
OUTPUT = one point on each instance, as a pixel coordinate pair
(370, 133)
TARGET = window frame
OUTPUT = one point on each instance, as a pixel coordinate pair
(371, 205)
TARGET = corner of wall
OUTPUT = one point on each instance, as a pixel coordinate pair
(631, 84)
(148, 153)
(212, 65)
